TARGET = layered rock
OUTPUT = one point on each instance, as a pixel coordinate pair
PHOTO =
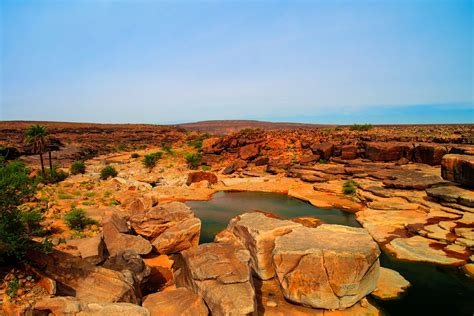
(77, 277)
(171, 227)
(179, 302)
(349, 152)
(386, 151)
(324, 150)
(429, 154)
(257, 233)
(329, 267)
(220, 274)
(117, 241)
(390, 285)
(91, 249)
(136, 203)
(452, 194)
(249, 151)
(458, 168)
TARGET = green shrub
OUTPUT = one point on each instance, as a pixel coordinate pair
(323, 161)
(13, 287)
(53, 176)
(77, 219)
(193, 160)
(63, 196)
(167, 148)
(150, 160)
(134, 155)
(361, 127)
(108, 172)
(31, 220)
(349, 187)
(78, 167)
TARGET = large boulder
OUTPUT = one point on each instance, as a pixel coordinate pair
(452, 194)
(324, 150)
(249, 152)
(429, 154)
(171, 227)
(91, 249)
(221, 275)
(234, 166)
(136, 203)
(458, 168)
(330, 266)
(199, 176)
(387, 151)
(178, 302)
(76, 277)
(257, 232)
(117, 241)
(349, 152)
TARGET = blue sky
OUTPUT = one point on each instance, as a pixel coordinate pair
(178, 61)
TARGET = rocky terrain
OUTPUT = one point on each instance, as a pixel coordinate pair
(410, 187)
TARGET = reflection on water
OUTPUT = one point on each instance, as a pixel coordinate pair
(435, 290)
(216, 213)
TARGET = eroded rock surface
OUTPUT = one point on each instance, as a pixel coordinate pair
(458, 168)
(179, 302)
(329, 267)
(390, 285)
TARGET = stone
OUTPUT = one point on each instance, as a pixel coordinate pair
(324, 150)
(182, 236)
(452, 194)
(410, 179)
(307, 221)
(59, 305)
(458, 168)
(429, 154)
(117, 241)
(262, 161)
(330, 267)
(310, 178)
(91, 249)
(390, 285)
(234, 166)
(221, 275)
(309, 159)
(119, 222)
(199, 176)
(87, 282)
(136, 203)
(257, 233)
(249, 152)
(469, 270)
(161, 273)
(128, 261)
(421, 249)
(386, 151)
(179, 302)
(349, 152)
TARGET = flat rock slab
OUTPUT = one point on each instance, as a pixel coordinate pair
(179, 237)
(330, 267)
(421, 249)
(390, 285)
(91, 249)
(452, 194)
(180, 302)
(221, 275)
(257, 233)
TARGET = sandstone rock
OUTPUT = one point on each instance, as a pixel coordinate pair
(330, 266)
(249, 152)
(421, 249)
(390, 285)
(182, 236)
(312, 178)
(262, 161)
(324, 150)
(158, 219)
(211, 145)
(91, 249)
(119, 222)
(458, 168)
(128, 261)
(429, 154)
(349, 152)
(469, 270)
(179, 302)
(199, 176)
(409, 179)
(136, 203)
(161, 274)
(85, 281)
(221, 275)
(307, 221)
(386, 151)
(257, 233)
(59, 305)
(452, 194)
(117, 241)
(310, 159)
(234, 166)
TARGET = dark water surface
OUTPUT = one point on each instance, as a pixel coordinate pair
(435, 290)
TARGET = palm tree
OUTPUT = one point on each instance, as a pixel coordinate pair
(37, 136)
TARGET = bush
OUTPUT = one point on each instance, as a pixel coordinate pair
(31, 220)
(78, 167)
(167, 148)
(349, 187)
(108, 172)
(53, 176)
(134, 155)
(361, 127)
(193, 160)
(150, 160)
(77, 219)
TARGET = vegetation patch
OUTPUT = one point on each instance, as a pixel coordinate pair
(108, 172)
(349, 187)
(78, 167)
(361, 127)
(77, 219)
(193, 160)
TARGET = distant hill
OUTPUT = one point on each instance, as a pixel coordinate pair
(223, 127)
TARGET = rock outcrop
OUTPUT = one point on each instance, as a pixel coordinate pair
(429, 154)
(390, 285)
(257, 233)
(458, 168)
(199, 176)
(117, 241)
(91, 249)
(330, 266)
(179, 302)
(221, 275)
(378, 151)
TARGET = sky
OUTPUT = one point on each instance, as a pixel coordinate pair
(337, 62)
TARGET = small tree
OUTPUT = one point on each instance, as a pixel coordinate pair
(108, 172)
(37, 136)
(78, 167)
(77, 219)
